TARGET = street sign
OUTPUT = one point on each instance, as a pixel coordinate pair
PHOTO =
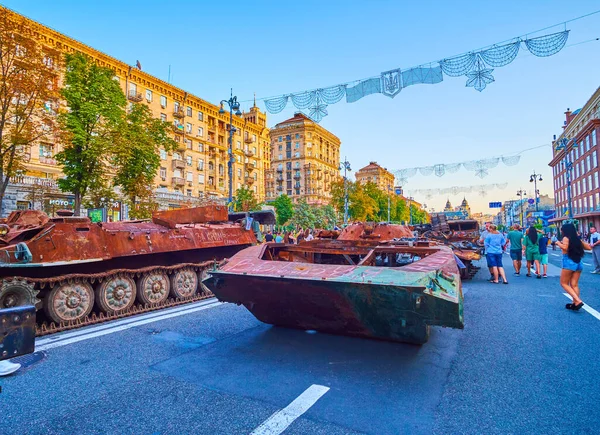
(531, 201)
(495, 205)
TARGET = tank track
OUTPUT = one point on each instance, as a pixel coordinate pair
(51, 327)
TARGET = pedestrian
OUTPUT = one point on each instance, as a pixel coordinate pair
(543, 243)
(278, 237)
(515, 237)
(269, 236)
(494, 247)
(595, 244)
(554, 240)
(7, 367)
(572, 248)
(300, 236)
(532, 251)
(310, 236)
(484, 234)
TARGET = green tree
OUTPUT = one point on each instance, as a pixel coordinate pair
(28, 93)
(90, 126)
(304, 215)
(245, 200)
(284, 209)
(137, 158)
(419, 216)
(325, 217)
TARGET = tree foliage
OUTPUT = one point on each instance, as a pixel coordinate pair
(284, 209)
(91, 126)
(304, 215)
(366, 202)
(245, 200)
(137, 158)
(28, 94)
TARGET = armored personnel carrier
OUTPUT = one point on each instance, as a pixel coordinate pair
(71, 267)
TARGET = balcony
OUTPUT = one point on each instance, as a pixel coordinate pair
(297, 176)
(212, 127)
(134, 96)
(47, 160)
(280, 178)
(177, 181)
(248, 140)
(248, 153)
(34, 181)
(250, 166)
(178, 129)
(279, 170)
(178, 113)
(177, 164)
(249, 180)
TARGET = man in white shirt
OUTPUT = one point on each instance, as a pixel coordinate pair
(484, 234)
(595, 242)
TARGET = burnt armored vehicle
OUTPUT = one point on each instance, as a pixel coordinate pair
(71, 266)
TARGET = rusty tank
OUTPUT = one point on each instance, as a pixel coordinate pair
(378, 232)
(72, 267)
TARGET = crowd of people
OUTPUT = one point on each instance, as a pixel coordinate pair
(533, 245)
(290, 237)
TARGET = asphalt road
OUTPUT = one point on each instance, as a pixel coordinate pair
(523, 364)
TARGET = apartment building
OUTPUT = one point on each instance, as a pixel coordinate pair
(197, 169)
(305, 160)
(581, 129)
(373, 173)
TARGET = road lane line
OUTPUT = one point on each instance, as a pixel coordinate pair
(587, 264)
(280, 421)
(113, 323)
(586, 307)
(122, 327)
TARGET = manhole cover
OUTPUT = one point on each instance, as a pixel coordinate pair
(29, 360)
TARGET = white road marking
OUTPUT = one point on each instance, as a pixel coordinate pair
(586, 307)
(111, 324)
(586, 264)
(556, 255)
(111, 329)
(280, 421)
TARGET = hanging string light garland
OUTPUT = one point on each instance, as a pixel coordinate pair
(481, 167)
(482, 189)
(474, 65)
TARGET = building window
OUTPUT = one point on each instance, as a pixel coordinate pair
(238, 145)
(594, 140)
(163, 154)
(188, 127)
(163, 173)
(279, 139)
(239, 171)
(280, 148)
(163, 117)
(163, 101)
(201, 178)
(188, 160)
(188, 110)
(297, 154)
(200, 116)
(148, 95)
(297, 135)
(201, 147)
(200, 164)
(254, 151)
(297, 145)
(189, 192)
(280, 157)
(190, 177)
(200, 132)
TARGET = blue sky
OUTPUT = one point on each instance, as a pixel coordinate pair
(273, 48)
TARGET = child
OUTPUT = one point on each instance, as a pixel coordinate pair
(543, 242)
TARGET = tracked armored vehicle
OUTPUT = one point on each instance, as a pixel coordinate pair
(72, 267)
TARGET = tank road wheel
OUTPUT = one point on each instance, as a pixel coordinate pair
(16, 293)
(184, 283)
(202, 274)
(153, 288)
(116, 294)
(69, 301)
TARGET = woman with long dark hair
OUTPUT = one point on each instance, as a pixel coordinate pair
(573, 249)
(532, 251)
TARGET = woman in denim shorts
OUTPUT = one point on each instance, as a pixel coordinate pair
(573, 249)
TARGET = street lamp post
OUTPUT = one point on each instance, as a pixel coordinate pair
(410, 199)
(389, 203)
(521, 193)
(233, 105)
(568, 168)
(346, 165)
(534, 178)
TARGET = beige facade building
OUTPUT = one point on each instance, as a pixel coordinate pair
(305, 160)
(374, 173)
(197, 169)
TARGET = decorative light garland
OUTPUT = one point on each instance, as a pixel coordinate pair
(473, 65)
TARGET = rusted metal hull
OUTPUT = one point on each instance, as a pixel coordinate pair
(387, 303)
